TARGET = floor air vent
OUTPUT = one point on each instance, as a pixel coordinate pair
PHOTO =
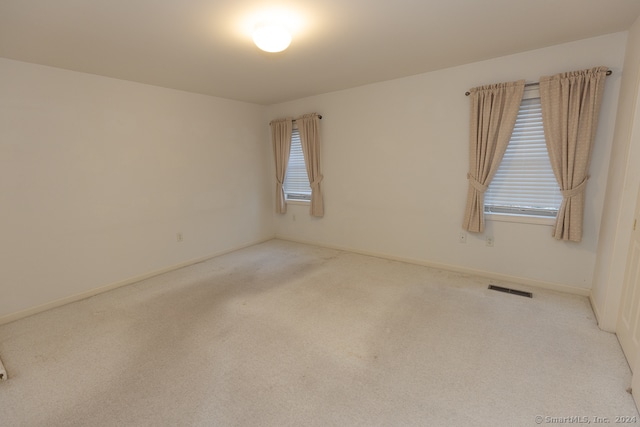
(511, 291)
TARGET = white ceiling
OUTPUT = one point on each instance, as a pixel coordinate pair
(205, 46)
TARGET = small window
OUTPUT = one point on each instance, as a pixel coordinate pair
(524, 183)
(296, 182)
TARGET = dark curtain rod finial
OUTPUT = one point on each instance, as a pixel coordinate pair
(608, 73)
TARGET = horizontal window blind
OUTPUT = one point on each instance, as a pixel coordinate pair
(296, 182)
(524, 183)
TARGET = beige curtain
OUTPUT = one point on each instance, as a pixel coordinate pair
(309, 127)
(570, 107)
(494, 109)
(281, 139)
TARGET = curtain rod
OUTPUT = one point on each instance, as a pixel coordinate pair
(319, 116)
(293, 121)
(608, 73)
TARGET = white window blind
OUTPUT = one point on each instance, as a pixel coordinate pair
(296, 182)
(524, 183)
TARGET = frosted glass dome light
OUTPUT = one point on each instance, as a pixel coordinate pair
(271, 37)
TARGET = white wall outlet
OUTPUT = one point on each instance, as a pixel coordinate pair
(462, 237)
(179, 237)
(489, 241)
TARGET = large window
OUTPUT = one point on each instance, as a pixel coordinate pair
(524, 183)
(296, 182)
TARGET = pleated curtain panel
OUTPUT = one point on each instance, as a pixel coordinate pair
(570, 108)
(281, 130)
(494, 110)
(309, 128)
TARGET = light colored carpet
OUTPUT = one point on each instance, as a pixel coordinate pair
(283, 334)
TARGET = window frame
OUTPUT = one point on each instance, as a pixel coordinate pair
(307, 197)
(526, 218)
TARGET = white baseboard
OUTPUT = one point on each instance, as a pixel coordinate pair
(92, 292)
(3, 372)
(490, 275)
(559, 287)
(594, 307)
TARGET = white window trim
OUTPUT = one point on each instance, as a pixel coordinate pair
(298, 202)
(523, 219)
(529, 92)
(286, 194)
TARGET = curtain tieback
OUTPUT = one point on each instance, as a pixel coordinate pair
(317, 181)
(579, 189)
(476, 184)
(279, 181)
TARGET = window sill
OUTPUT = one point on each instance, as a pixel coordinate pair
(523, 219)
(298, 202)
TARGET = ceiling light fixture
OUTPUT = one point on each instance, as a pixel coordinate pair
(271, 37)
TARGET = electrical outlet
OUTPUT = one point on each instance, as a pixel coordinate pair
(179, 237)
(489, 241)
(293, 217)
(462, 237)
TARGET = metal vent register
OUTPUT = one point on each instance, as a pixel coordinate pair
(511, 291)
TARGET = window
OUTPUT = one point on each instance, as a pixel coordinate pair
(296, 182)
(524, 183)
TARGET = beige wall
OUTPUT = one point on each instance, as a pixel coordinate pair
(622, 187)
(97, 176)
(395, 160)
